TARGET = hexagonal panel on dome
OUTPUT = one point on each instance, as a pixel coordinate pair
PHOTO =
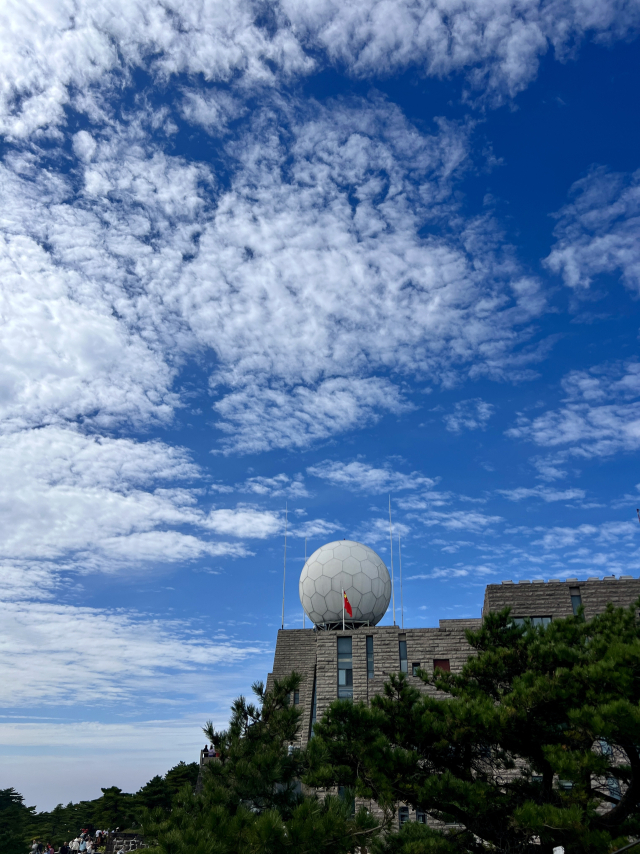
(359, 553)
(315, 570)
(351, 565)
(342, 551)
(362, 582)
(334, 601)
(323, 585)
(332, 567)
(354, 567)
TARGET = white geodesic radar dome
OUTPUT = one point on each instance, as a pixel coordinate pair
(349, 566)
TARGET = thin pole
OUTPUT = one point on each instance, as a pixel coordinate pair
(393, 592)
(401, 599)
(284, 575)
(343, 609)
(304, 621)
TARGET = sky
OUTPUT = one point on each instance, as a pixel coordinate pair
(291, 258)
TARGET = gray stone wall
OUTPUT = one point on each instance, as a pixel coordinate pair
(553, 598)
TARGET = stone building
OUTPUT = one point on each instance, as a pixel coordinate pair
(355, 662)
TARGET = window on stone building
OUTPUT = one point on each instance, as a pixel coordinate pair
(342, 794)
(614, 788)
(421, 817)
(534, 621)
(403, 815)
(369, 656)
(345, 669)
(296, 698)
(314, 703)
(576, 598)
(414, 668)
(403, 656)
(442, 664)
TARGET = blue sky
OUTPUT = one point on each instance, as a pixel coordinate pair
(302, 254)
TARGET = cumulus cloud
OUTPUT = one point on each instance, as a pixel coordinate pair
(598, 232)
(600, 416)
(75, 54)
(497, 45)
(280, 485)
(468, 415)
(244, 522)
(362, 477)
(318, 235)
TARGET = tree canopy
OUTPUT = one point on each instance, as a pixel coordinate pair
(252, 800)
(114, 808)
(533, 745)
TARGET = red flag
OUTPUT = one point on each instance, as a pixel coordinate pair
(347, 605)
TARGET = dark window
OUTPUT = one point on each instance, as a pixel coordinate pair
(614, 788)
(369, 656)
(442, 663)
(296, 698)
(403, 656)
(421, 817)
(414, 668)
(342, 794)
(314, 702)
(403, 815)
(534, 621)
(576, 598)
(536, 778)
(565, 785)
(345, 669)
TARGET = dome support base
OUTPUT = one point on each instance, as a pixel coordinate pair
(349, 625)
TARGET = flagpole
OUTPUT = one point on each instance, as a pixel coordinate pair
(304, 624)
(284, 575)
(343, 609)
(401, 599)
(393, 592)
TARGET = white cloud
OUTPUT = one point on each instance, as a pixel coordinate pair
(51, 651)
(600, 416)
(459, 520)
(308, 279)
(244, 522)
(260, 417)
(65, 54)
(62, 54)
(544, 493)
(496, 45)
(104, 503)
(280, 485)
(468, 415)
(598, 232)
(362, 477)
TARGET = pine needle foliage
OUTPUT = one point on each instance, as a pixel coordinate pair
(251, 800)
(535, 744)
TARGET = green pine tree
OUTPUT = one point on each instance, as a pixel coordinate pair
(252, 801)
(15, 818)
(534, 745)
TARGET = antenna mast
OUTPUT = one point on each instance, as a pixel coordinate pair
(393, 592)
(304, 623)
(284, 575)
(401, 599)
